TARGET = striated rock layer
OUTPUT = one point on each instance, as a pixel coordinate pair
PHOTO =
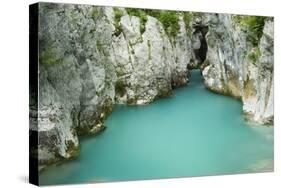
(91, 58)
(240, 62)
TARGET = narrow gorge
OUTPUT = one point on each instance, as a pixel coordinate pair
(95, 60)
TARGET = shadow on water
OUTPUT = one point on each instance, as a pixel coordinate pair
(194, 133)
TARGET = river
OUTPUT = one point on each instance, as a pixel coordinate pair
(193, 133)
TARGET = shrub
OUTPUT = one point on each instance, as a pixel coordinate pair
(49, 57)
(253, 26)
(118, 14)
(254, 55)
(141, 14)
(95, 13)
(169, 19)
(187, 18)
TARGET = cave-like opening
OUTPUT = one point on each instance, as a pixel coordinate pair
(199, 45)
(201, 53)
(200, 49)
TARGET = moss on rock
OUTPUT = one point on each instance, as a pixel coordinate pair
(253, 25)
(169, 19)
(48, 57)
(141, 13)
(95, 13)
(254, 55)
(72, 149)
(118, 14)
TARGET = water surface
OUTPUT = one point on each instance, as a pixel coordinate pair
(193, 133)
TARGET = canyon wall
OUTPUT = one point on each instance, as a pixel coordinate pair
(240, 62)
(91, 58)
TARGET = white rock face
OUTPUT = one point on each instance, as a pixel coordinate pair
(259, 105)
(149, 64)
(89, 61)
(231, 71)
(76, 78)
(87, 65)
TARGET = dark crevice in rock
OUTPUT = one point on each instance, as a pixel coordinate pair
(201, 53)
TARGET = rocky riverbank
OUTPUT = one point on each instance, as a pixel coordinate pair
(91, 58)
(240, 62)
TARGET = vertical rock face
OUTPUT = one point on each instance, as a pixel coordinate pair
(89, 60)
(258, 100)
(224, 58)
(76, 78)
(240, 65)
(148, 65)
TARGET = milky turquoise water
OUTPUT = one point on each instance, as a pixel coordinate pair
(193, 133)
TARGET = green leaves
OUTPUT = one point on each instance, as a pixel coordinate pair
(141, 14)
(253, 26)
(169, 19)
(48, 57)
(118, 14)
(188, 17)
(95, 13)
(254, 55)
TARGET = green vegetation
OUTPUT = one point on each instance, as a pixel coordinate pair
(141, 14)
(49, 57)
(188, 17)
(118, 14)
(254, 55)
(101, 48)
(72, 150)
(95, 14)
(254, 27)
(169, 19)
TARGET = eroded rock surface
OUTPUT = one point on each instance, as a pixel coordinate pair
(239, 68)
(90, 60)
(94, 57)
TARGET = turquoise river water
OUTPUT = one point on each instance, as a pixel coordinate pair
(193, 133)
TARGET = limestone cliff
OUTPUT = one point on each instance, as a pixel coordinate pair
(240, 62)
(91, 58)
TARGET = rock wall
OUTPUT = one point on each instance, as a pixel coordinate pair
(150, 64)
(89, 61)
(91, 58)
(240, 62)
